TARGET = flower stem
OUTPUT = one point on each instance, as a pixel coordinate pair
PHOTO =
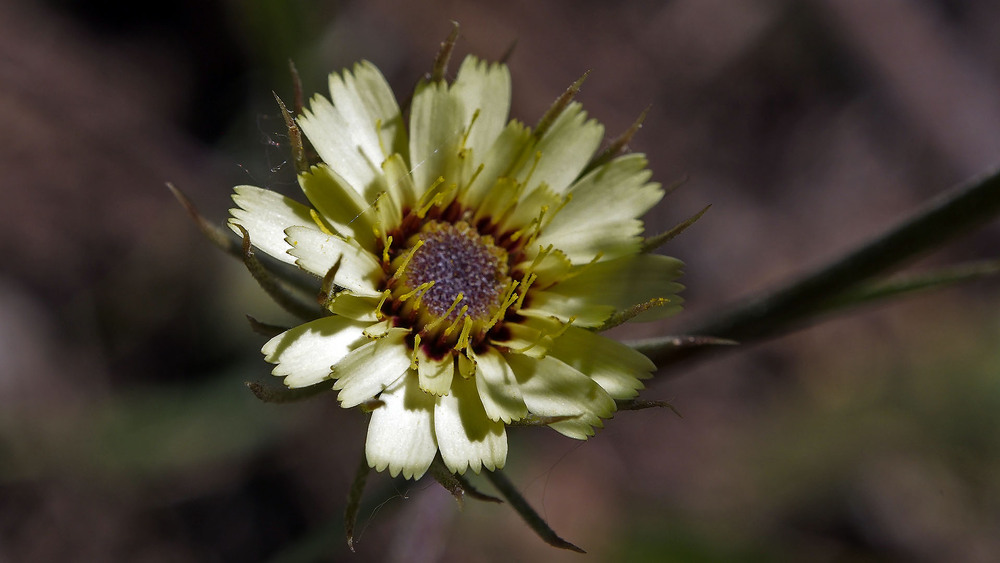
(941, 220)
(518, 503)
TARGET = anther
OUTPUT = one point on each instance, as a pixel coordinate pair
(320, 222)
(406, 260)
(413, 354)
(385, 250)
(421, 289)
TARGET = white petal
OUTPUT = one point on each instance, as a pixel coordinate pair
(266, 215)
(357, 269)
(498, 389)
(566, 149)
(531, 335)
(435, 374)
(436, 131)
(399, 182)
(619, 284)
(506, 154)
(401, 432)
(483, 87)
(552, 268)
(346, 210)
(306, 353)
(529, 209)
(582, 308)
(369, 369)
(336, 144)
(601, 217)
(552, 388)
(369, 107)
(613, 365)
(466, 437)
(354, 307)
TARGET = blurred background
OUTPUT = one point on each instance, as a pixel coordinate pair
(126, 433)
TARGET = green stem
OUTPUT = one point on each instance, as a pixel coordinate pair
(942, 219)
(518, 503)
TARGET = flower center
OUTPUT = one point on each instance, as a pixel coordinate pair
(457, 260)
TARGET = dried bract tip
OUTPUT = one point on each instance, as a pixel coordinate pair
(297, 99)
(294, 137)
(217, 236)
(637, 405)
(508, 52)
(618, 145)
(652, 243)
(558, 106)
(444, 54)
(265, 329)
(283, 395)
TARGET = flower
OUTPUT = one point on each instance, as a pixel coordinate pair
(469, 260)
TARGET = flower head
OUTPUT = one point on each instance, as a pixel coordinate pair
(470, 260)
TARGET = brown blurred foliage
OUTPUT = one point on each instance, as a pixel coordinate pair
(810, 126)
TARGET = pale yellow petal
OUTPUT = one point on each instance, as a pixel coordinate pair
(436, 131)
(613, 365)
(304, 354)
(401, 431)
(369, 369)
(484, 91)
(435, 373)
(552, 388)
(265, 215)
(355, 307)
(504, 157)
(467, 438)
(348, 212)
(498, 388)
(316, 252)
(565, 149)
(618, 284)
(601, 214)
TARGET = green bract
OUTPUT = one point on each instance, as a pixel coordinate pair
(471, 260)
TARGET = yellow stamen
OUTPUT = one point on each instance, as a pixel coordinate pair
(509, 298)
(542, 336)
(417, 302)
(472, 180)
(378, 135)
(534, 165)
(320, 222)
(378, 308)
(538, 225)
(463, 338)
(454, 324)
(385, 250)
(584, 268)
(525, 284)
(542, 254)
(422, 288)
(447, 313)
(406, 260)
(532, 227)
(413, 355)
(565, 327)
(468, 130)
(426, 200)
